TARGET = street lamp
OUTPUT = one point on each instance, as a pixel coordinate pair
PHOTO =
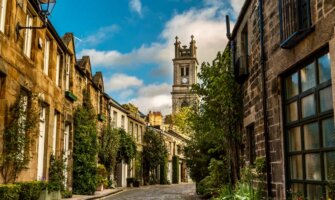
(45, 9)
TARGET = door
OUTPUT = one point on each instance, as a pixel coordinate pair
(41, 144)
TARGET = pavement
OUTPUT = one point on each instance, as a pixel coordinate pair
(183, 191)
(158, 192)
(97, 195)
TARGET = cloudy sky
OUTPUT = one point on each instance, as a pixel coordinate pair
(131, 41)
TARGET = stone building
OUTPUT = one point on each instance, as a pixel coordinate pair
(155, 118)
(39, 63)
(284, 58)
(185, 65)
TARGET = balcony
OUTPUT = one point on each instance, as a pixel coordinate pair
(241, 70)
(295, 22)
(69, 95)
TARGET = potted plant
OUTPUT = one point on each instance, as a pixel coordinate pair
(102, 177)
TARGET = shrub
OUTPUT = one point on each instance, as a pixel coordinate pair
(9, 192)
(163, 171)
(56, 174)
(66, 194)
(204, 187)
(175, 169)
(31, 190)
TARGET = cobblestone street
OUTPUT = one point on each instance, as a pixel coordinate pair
(159, 192)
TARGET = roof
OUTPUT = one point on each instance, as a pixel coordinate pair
(240, 17)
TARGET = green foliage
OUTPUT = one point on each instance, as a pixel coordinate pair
(218, 172)
(66, 194)
(175, 169)
(21, 121)
(102, 175)
(130, 107)
(127, 148)
(31, 190)
(204, 187)
(109, 143)
(9, 192)
(85, 149)
(138, 166)
(56, 174)
(163, 171)
(215, 125)
(154, 153)
(168, 119)
(181, 120)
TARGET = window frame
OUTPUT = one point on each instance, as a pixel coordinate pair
(46, 56)
(3, 9)
(318, 118)
(28, 36)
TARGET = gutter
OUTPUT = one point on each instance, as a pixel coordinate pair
(264, 95)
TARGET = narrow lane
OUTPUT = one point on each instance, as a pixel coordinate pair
(158, 192)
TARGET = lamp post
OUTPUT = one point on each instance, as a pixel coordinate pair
(45, 9)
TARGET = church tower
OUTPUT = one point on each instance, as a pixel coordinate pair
(185, 66)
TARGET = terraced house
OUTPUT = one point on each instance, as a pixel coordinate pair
(40, 67)
(284, 56)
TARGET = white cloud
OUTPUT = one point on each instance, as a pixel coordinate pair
(206, 24)
(98, 37)
(237, 5)
(155, 90)
(136, 6)
(122, 82)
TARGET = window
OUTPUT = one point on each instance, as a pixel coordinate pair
(42, 142)
(310, 139)
(251, 144)
(46, 56)
(136, 132)
(122, 121)
(3, 4)
(58, 70)
(295, 21)
(187, 71)
(2, 85)
(28, 36)
(131, 129)
(182, 71)
(67, 74)
(114, 118)
(55, 131)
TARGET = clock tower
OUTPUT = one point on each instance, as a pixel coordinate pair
(185, 66)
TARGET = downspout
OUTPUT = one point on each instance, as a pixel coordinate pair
(264, 95)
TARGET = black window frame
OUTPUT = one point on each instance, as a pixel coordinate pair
(318, 117)
(251, 141)
(295, 21)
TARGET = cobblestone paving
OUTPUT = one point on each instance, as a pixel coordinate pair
(158, 192)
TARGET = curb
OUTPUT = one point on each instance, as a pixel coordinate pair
(105, 195)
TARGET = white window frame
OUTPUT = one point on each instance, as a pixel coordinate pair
(41, 143)
(54, 135)
(3, 7)
(28, 35)
(46, 56)
(67, 77)
(57, 69)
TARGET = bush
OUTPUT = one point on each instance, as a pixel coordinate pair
(163, 171)
(31, 190)
(9, 192)
(56, 174)
(66, 194)
(175, 169)
(204, 187)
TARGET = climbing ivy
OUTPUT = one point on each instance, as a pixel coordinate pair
(127, 148)
(21, 121)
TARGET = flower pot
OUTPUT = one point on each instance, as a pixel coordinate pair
(100, 187)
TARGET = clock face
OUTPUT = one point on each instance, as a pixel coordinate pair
(184, 80)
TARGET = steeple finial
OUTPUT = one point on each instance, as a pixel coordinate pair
(176, 38)
(192, 37)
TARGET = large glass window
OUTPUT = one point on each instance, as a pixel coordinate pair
(310, 138)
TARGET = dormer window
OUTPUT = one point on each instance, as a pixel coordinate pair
(295, 21)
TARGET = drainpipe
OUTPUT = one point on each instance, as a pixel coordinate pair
(264, 94)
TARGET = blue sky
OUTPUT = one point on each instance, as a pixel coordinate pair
(131, 41)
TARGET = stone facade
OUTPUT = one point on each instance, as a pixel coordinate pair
(282, 57)
(155, 118)
(41, 63)
(185, 65)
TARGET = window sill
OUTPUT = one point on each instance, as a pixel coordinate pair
(69, 95)
(296, 37)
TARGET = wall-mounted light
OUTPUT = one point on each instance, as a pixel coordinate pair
(45, 9)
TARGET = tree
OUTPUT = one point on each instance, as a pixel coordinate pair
(109, 142)
(85, 149)
(181, 120)
(127, 148)
(18, 134)
(216, 123)
(154, 153)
